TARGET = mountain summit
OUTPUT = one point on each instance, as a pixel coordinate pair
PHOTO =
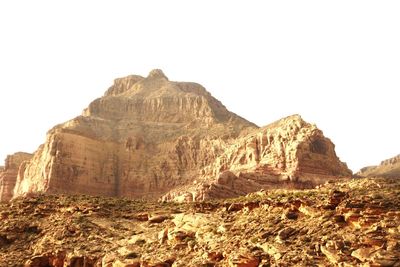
(156, 99)
(149, 137)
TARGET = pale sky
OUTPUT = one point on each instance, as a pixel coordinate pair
(336, 63)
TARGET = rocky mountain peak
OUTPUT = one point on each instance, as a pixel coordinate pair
(157, 74)
(294, 120)
(148, 136)
(157, 99)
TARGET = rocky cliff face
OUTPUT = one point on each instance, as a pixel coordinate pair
(288, 153)
(144, 137)
(388, 168)
(148, 137)
(8, 174)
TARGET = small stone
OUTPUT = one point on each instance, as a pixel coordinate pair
(163, 236)
(251, 205)
(339, 219)
(291, 215)
(235, 207)
(215, 256)
(158, 218)
(362, 254)
(181, 236)
(119, 263)
(38, 261)
(284, 234)
(331, 254)
(142, 217)
(245, 261)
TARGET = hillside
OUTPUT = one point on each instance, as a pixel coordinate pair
(387, 168)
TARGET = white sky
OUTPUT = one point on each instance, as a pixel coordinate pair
(337, 63)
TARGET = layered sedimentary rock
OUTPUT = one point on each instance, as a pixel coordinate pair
(8, 174)
(149, 137)
(144, 137)
(389, 168)
(288, 153)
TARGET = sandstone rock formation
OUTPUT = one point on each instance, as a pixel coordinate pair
(144, 137)
(287, 153)
(148, 136)
(388, 168)
(8, 174)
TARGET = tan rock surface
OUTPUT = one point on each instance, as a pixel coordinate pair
(149, 137)
(289, 153)
(144, 137)
(388, 168)
(8, 174)
(56, 230)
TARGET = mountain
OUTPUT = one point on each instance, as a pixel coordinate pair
(149, 137)
(388, 168)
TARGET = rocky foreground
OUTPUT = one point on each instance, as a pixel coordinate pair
(346, 223)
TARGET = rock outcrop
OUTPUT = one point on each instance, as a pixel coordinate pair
(289, 153)
(8, 174)
(144, 137)
(149, 137)
(389, 168)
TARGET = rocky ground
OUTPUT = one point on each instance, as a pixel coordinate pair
(347, 223)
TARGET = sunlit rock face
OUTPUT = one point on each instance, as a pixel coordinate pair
(289, 153)
(144, 137)
(389, 168)
(8, 174)
(149, 137)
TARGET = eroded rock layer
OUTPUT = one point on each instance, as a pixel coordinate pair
(149, 137)
(388, 168)
(288, 153)
(8, 174)
(144, 137)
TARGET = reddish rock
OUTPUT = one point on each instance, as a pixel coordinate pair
(290, 214)
(235, 207)
(245, 261)
(56, 260)
(165, 263)
(144, 137)
(8, 175)
(215, 256)
(142, 217)
(158, 218)
(149, 137)
(289, 153)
